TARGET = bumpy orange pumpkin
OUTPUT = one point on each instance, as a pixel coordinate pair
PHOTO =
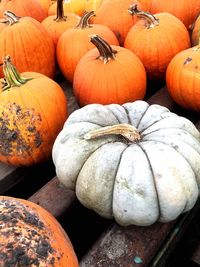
(109, 74)
(29, 45)
(114, 14)
(23, 8)
(156, 40)
(31, 236)
(186, 10)
(33, 109)
(196, 32)
(182, 78)
(57, 25)
(74, 43)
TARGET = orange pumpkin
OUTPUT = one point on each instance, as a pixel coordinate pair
(33, 110)
(156, 40)
(93, 5)
(71, 6)
(114, 14)
(31, 236)
(46, 4)
(186, 10)
(30, 8)
(57, 25)
(146, 4)
(182, 78)
(29, 45)
(74, 43)
(196, 32)
(109, 74)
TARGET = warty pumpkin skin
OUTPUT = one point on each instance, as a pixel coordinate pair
(74, 44)
(114, 14)
(33, 109)
(23, 8)
(28, 44)
(156, 40)
(182, 78)
(136, 163)
(108, 74)
(31, 236)
(57, 25)
(186, 10)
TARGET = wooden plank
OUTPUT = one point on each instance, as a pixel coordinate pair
(54, 197)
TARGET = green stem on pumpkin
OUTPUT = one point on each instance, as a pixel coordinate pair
(12, 77)
(151, 19)
(105, 50)
(11, 17)
(60, 11)
(84, 21)
(126, 130)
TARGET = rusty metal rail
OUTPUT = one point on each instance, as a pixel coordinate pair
(114, 246)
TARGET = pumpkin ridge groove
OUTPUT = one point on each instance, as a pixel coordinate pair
(157, 196)
(138, 124)
(127, 114)
(174, 147)
(113, 114)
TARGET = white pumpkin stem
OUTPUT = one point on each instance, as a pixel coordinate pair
(126, 130)
(11, 17)
(152, 20)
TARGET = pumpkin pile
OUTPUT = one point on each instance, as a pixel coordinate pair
(125, 159)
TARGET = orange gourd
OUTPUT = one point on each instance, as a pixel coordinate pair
(29, 45)
(74, 43)
(46, 4)
(33, 109)
(196, 32)
(182, 78)
(31, 236)
(109, 74)
(114, 14)
(186, 10)
(156, 40)
(57, 25)
(23, 8)
(71, 6)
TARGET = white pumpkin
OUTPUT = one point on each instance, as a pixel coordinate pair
(138, 163)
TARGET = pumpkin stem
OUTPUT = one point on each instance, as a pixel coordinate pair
(12, 77)
(105, 50)
(152, 20)
(126, 130)
(60, 11)
(84, 21)
(11, 17)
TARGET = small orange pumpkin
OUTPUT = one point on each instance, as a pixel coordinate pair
(156, 40)
(31, 236)
(114, 14)
(109, 74)
(30, 8)
(28, 44)
(196, 32)
(57, 25)
(33, 109)
(74, 43)
(182, 78)
(186, 10)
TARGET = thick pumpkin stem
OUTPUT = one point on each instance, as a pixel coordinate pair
(152, 20)
(60, 11)
(126, 130)
(12, 77)
(84, 21)
(11, 17)
(105, 50)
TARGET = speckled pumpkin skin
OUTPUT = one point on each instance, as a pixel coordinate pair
(154, 179)
(31, 236)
